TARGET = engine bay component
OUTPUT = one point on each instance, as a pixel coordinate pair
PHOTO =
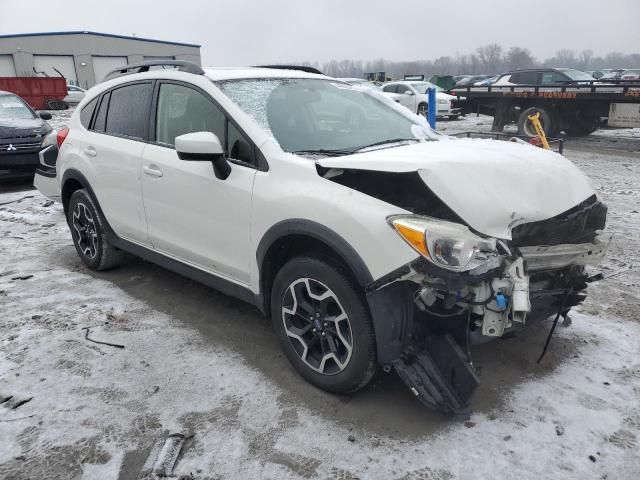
(558, 256)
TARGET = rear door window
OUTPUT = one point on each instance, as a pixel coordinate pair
(129, 111)
(550, 78)
(525, 78)
(390, 88)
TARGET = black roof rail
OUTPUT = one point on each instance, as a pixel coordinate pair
(302, 68)
(183, 66)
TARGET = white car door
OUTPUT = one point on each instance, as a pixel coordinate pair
(112, 150)
(407, 97)
(192, 215)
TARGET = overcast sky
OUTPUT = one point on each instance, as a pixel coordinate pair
(241, 32)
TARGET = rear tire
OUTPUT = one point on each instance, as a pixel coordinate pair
(525, 127)
(89, 233)
(323, 325)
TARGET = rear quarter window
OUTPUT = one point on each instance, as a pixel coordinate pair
(87, 113)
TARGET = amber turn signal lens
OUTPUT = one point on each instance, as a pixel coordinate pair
(413, 237)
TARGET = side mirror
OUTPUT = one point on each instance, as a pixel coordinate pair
(203, 146)
(44, 115)
(408, 92)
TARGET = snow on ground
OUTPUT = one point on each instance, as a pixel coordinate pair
(619, 132)
(96, 410)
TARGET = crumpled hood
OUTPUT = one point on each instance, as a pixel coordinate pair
(492, 185)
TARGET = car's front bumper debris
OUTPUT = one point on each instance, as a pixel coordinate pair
(423, 315)
(440, 375)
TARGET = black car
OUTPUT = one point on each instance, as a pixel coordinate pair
(22, 131)
(544, 76)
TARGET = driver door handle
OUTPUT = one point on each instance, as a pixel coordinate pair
(152, 171)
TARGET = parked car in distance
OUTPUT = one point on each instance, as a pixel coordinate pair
(633, 74)
(22, 131)
(369, 243)
(487, 81)
(371, 86)
(76, 94)
(471, 80)
(612, 74)
(413, 95)
(544, 76)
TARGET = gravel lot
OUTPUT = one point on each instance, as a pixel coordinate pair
(207, 366)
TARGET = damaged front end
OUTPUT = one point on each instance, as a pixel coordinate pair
(466, 288)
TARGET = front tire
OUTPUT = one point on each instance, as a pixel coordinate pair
(323, 325)
(89, 233)
(422, 110)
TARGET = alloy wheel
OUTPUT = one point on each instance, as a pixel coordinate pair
(86, 236)
(317, 326)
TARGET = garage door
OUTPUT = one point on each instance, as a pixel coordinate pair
(50, 63)
(103, 65)
(7, 68)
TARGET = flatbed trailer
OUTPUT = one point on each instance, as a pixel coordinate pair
(577, 108)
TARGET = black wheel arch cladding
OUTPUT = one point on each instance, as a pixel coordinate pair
(318, 232)
(74, 177)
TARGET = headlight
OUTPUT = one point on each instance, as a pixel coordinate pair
(446, 244)
(443, 102)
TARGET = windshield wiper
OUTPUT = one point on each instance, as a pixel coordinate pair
(384, 142)
(321, 151)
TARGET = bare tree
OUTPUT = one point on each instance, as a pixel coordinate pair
(518, 58)
(490, 57)
(443, 66)
(585, 59)
(563, 58)
(487, 59)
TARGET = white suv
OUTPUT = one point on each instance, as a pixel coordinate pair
(367, 238)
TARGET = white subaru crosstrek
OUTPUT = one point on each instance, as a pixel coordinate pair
(368, 239)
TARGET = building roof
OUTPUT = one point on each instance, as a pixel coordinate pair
(85, 32)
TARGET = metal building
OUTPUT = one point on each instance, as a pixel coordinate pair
(83, 58)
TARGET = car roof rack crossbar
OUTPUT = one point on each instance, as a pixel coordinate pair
(302, 68)
(183, 66)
